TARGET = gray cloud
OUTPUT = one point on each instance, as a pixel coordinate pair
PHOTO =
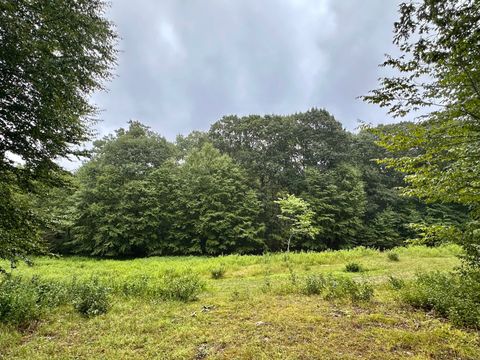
(186, 63)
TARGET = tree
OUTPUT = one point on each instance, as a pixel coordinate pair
(217, 208)
(187, 144)
(439, 74)
(275, 150)
(53, 55)
(297, 216)
(19, 225)
(116, 212)
(337, 198)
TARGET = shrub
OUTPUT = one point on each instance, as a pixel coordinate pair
(18, 301)
(218, 272)
(91, 298)
(292, 274)
(346, 288)
(136, 286)
(353, 267)
(396, 283)
(182, 287)
(49, 293)
(361, 291)
(314, 284)
(452, 295)
(337, 288)
(393, 256)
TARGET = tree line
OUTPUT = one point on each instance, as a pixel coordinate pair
(217, 192)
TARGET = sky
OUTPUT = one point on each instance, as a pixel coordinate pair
(183, 64)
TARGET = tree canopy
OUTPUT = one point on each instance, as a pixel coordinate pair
(53, 55)
(439, 70)
(141, 195)
(438, 73)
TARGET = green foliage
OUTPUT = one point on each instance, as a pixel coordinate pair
(393, 256)
(140, 196)
(23, 301)
(218, 272)
(53, 56)
(396, 283)
(19, 225)
(297, 217)
(137, 286)
(208, 206)
(338, 288)
(181, 286)
(435, 234)
(452, 295)
(238, 299)
(353, 267)
(18, 301)
(116, 209)
(471, 244)
(220, 208)
(439, 73)
(91, 298)
(337, 199)
(384, 230)
(275, 151)
(314, 284)
(50, 293)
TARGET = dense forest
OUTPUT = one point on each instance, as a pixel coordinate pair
(216, 192)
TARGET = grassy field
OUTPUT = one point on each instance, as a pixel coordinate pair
(257, 310)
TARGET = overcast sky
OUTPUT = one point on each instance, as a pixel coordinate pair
(186, 63)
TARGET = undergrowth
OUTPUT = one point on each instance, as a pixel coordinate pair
(453, 295)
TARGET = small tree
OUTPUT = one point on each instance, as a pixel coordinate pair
(297, 215)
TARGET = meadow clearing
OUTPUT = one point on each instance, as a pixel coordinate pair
(245, 307)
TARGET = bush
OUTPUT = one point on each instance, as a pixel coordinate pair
(136, 286)
(50, 294)
(393, 256)
(361, 291)
(346, 288)
(338, 288)
(396, 283)
(314, 284)
(91, 298)
(218, 272)
(452, 295)
(353, 267)
(18, 301)
(183, 287)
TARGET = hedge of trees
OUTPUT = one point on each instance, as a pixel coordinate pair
(216, 192)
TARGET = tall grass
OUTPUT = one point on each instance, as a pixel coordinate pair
(125, 271)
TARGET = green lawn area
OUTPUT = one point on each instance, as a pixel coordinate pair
(253, 312)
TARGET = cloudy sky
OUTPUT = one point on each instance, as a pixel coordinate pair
(186, 63)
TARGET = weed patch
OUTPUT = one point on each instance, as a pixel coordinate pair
(180, 286)
(451, 295)
(393, 256)
(353, 267)
(91, 298)
(218, 272)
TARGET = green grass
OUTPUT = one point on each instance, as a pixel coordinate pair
(255, 311)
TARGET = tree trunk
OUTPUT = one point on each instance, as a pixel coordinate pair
(288, 243)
